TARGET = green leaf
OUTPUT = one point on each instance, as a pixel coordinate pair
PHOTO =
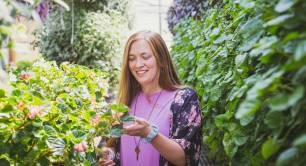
(229, 145)
(127, 118)
(2, 93)
(7, 108)
(300, 141)
(300, 51)
(63, 4)
(16, 92)
(283, 101)
(216, 93)
(119, 108)
(275, 120)
(269, 148)
(264, 46)
(240, 139)
(215, 32)
(259, 88)
(247, 108)
(91, 158)
(221, 120)
(240, 59)
(98, 95)
(286, 157)
(284, 5)
(246, 3)
(246, 120)
(116, 131)
(252, 27)
(79, 133)
(44, 161)
(86, 163)
(278, 20)
(5, 115)
(56, 145)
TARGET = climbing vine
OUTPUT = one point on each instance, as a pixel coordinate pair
(247, 61)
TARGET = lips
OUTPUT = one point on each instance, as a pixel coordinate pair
(141, 72)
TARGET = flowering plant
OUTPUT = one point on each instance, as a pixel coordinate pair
(55, 114)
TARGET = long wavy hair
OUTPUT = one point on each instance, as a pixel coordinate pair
(168, 79)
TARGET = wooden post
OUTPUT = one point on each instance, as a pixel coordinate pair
(12, 53)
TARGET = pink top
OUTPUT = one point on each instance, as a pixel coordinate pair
(160, 117)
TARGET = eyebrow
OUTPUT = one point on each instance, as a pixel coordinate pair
(143, 53)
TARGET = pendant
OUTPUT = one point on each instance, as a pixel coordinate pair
(137, 151)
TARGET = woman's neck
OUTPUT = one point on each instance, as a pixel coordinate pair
(151, 89)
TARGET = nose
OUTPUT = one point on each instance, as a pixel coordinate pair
(139, 63)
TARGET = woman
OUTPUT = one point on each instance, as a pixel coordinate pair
(167, 127)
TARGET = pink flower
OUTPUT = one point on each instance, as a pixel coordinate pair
(94, 103)
(80, 147)
(20, 106)
(24, 76)
(95, 120)
(34, 111)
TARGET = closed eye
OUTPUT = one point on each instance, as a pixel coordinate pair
(131, 58)
(146, 56)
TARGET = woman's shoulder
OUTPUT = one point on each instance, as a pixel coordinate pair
(186, 92)
(183, 95)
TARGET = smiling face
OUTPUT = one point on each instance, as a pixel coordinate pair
(142, 63)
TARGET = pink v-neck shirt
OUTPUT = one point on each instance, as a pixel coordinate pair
(160, 117)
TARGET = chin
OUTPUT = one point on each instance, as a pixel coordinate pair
(143, 82)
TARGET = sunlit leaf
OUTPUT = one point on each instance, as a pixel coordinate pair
(119, 107)
(62, 3)
(269, 148)
(287, 157)
(278, 20)
(284, 5)
(300, 51)
(300, 141)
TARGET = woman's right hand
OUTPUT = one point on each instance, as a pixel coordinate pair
(107, 157)
(106, 163)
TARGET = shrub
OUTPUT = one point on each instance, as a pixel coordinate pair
(90, 34)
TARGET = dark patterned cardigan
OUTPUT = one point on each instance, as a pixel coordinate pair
(185, 127)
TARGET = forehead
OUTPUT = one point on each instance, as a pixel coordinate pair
(140, 46)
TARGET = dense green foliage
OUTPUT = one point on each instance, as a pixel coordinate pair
(247, 61)
(89, 34)
(93, 42)
(53, 115)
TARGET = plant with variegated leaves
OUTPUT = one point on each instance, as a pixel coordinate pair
(55, 115)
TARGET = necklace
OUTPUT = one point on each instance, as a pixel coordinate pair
(137, 148)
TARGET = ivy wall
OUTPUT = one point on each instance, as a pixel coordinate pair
(247, 61)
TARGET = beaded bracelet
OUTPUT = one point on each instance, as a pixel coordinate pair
(153, 133)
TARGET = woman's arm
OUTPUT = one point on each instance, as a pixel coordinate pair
(168, 148)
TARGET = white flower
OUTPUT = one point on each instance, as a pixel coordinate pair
(44, 79)
(12, 77)
(43, 64)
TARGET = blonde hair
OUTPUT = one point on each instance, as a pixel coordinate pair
(168, 79)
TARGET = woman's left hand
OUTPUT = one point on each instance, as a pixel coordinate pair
(140, 128)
